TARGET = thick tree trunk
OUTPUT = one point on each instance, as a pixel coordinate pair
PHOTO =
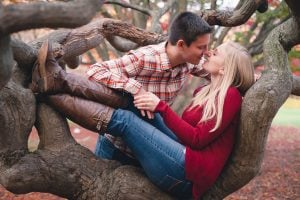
(63, 167)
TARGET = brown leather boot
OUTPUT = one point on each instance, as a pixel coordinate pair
(88, 114)
(49, 78)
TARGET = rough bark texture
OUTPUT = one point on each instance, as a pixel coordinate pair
(20, 16)
(63, 167)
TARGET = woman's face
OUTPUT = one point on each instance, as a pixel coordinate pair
(214, 63)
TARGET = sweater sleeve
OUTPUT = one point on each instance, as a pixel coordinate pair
(199, 136)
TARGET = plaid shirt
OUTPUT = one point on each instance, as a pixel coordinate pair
(148, 67)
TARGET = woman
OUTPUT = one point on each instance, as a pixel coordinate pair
(186, 158)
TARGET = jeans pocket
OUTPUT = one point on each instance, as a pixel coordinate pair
(175, 186)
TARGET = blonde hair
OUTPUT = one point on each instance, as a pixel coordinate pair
(238, 72)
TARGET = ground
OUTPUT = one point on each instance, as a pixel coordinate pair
(279, 177)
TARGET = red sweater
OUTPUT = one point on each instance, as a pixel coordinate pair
(206, 152)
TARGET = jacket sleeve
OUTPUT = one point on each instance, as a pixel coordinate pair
(198, 137)
(117, 73)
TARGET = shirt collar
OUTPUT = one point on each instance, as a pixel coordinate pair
(165, 62)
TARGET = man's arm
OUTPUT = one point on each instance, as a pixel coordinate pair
(117, 73)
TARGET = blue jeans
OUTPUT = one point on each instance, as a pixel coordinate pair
(161, 156)
(106, 150)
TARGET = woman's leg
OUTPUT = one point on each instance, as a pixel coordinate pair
(113, 148)
(105, 149)
(161, 157)
(157, 122)
(89, 114)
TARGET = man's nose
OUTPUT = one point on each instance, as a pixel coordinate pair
(207, 52)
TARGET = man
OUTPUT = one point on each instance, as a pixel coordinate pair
(161, 69)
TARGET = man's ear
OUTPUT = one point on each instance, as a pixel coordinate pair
(180, 43)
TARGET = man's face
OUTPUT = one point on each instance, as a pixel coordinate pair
(193, 53)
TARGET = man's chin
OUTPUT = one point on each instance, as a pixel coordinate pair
(196, 62)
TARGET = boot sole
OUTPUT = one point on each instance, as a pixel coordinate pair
(42, 56)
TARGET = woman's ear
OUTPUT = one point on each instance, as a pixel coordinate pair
(221, 71)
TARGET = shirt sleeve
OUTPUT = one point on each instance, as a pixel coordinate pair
(198, 137)
(118, 73)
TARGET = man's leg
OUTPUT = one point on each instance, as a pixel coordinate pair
(162, 158)
(49, 78)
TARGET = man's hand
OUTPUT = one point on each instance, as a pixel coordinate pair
(147, 101)
(150, 114)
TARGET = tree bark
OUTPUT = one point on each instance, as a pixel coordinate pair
(63, 167)
(18, 17)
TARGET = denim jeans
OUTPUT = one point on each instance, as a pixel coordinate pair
(106, 150)
(161, 156)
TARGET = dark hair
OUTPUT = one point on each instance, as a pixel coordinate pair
(188, 26)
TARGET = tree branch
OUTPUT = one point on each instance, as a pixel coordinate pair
(121, 44)
(130, 32)
(19, 17)
(127, 5)
(232, 18)
(256, 47)
(294, 6)
(17, 116)
(54, 133)
(296, 85)
(155, 27)
(6, 60)
(222, 36)
(23, 54)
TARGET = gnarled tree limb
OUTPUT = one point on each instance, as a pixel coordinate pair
(18, 17)
(6, 60)
(232, 18)
(127, 5)
(296, 85)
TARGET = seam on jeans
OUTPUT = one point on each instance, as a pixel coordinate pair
(174, 184)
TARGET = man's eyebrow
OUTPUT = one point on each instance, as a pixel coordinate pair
(202, 45)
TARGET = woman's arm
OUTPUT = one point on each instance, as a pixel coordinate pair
(197, 137)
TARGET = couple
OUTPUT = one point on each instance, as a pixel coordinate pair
(183, 156)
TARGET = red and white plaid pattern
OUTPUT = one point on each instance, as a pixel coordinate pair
(148, 67)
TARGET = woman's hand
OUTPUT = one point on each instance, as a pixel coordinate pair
(146, 101)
